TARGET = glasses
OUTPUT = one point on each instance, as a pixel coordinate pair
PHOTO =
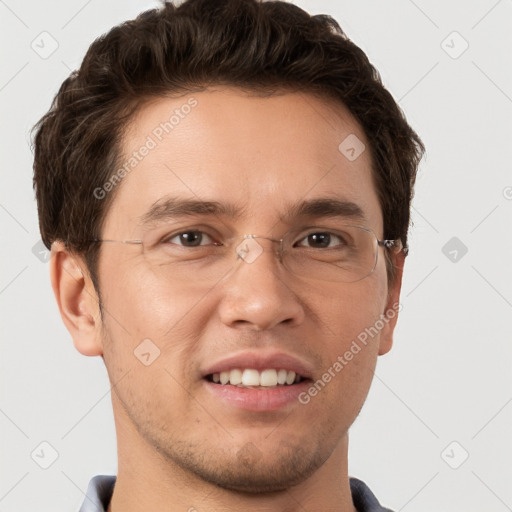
(343, 253)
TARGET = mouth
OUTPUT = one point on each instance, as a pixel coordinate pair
(258, 381)
(256, 391)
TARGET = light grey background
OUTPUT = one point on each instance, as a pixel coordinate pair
(448, 377)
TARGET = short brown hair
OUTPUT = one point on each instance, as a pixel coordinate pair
(255, 45)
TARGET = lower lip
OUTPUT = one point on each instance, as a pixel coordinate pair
(258, 399)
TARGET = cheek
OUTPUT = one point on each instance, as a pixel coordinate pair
(151, 332)
(350, 309)
(350, 321)
(150, 346)
(141, 304)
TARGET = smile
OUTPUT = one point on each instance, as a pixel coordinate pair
(252, 378)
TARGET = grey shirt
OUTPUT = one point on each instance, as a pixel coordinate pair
(101, 487)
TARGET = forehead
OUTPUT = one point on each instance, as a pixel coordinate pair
(260, 154)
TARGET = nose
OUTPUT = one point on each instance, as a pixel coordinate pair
(258, 293)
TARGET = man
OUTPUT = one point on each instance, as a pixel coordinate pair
(225, 188)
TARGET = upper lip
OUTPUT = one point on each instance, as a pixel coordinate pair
(258, 360)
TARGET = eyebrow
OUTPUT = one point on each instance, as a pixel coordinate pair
(168, 208)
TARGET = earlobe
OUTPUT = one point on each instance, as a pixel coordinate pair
(390, 313)
(77, 300)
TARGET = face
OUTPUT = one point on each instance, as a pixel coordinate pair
(259, 156)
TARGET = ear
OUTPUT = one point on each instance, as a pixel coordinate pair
(390, 314)
(77, 299)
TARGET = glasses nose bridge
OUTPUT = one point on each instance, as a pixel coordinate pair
(248, 237)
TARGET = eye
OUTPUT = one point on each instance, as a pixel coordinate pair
(322, 240)
(192, 238)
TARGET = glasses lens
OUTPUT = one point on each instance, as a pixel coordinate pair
(345, 254)
(191, 257)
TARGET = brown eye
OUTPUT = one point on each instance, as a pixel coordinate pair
(321, 240)
(189, 239)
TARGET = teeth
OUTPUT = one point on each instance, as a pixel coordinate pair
(281, 376)
(268, 378)
(250, 377)
(235, 377)
(290, 378)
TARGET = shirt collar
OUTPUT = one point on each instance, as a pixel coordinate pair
(101, 487)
